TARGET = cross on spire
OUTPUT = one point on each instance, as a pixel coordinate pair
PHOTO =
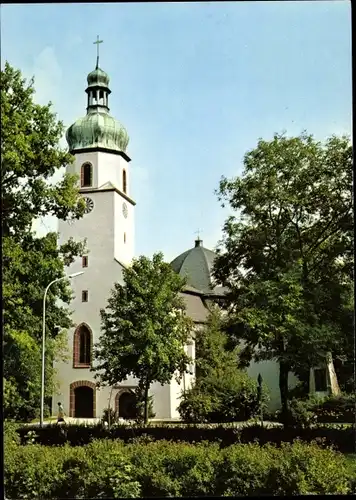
(97, 49)
(198, 241)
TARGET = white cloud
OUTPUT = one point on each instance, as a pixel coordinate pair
(48, 76)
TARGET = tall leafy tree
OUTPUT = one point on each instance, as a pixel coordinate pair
(30, 155)
(212, 355)
(287, 255)
(144, 328)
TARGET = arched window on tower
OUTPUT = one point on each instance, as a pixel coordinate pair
(124, 181)
(82, 347)
(86, 175)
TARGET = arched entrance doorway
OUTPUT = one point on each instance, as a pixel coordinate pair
(82, 399)
(126, 405)
(83, 402)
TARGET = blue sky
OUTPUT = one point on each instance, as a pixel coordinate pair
(196, 85)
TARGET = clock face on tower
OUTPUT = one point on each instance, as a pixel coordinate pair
(89, 205)
(124, 210)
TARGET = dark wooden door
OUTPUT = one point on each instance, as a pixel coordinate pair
(84, 399)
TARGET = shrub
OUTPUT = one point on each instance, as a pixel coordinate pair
(304, 412)
(291, 470)
(113, 416)
(339, 436)
(243, 470)
(31, 472)
(307, 468)
(196, 406)
(175, 469)
(335, 408)
(11, 436)
(111, 469)
(109, 473)
(300, 414)
(229, 398)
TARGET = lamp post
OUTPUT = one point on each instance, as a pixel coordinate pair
(44, 336)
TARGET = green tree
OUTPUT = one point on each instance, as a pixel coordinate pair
(222, 391)
(287, 255)
(30, 155)
(212, 356)
(144, 328)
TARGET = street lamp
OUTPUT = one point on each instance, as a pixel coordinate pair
(44, 336)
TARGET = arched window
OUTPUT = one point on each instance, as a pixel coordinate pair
(124, 181)
(86, 175)
(82, 347)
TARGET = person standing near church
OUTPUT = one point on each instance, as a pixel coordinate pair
(60, 413)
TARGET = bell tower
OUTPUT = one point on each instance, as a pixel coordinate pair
(98, 143)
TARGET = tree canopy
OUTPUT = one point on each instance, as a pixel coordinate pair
(144, 327)
(287, 252)
(30, 155)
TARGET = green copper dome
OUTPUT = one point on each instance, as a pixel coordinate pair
(98, 129)
(98, 77)
(196, 265)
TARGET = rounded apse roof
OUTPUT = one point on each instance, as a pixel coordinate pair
(196, 266)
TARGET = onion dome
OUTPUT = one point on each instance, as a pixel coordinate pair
(98, 129)
(98, 77)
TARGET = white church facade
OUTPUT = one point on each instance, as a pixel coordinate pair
(98, 143)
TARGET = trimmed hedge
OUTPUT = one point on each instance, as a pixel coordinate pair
(109, 469)
(336, 409)
(339, 436)
(332, 409)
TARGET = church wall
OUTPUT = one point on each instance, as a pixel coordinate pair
(124, 231)
(98, 279)
(269, 371)
(80, 159)
(161, 400)
(110, 167)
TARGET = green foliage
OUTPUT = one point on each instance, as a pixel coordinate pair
(196, 406)
(339, 436)
(110, 469)
(222, 392)
(144, 327)
(140, 405)
(300, 413)
(295, 469)
(335, 408)
(30, 155)
(307, 411)
(289, 253)
(175, 469)
(230, 398)
(11, 436)
(213, 355)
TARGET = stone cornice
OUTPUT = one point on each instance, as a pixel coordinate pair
(101, 150)
(121, 193)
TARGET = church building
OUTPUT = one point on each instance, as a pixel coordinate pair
(99, 143)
